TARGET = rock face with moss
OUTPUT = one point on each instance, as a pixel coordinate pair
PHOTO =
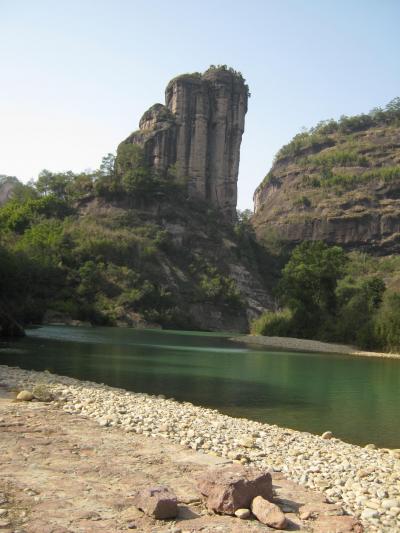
(197, 134)
(339, 182)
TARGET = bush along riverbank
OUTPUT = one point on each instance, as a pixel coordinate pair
(365, 480)
(328, 295)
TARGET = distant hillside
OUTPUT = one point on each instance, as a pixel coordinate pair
(338, 182)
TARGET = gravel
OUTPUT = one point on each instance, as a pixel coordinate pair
(366, 481)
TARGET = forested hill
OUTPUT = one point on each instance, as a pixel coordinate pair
(125, 248)
(338, 182)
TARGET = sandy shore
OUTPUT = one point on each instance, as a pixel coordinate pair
(305, 345)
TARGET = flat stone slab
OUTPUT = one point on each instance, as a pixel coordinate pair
(64, 473)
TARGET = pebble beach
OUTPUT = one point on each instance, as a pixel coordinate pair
(365, 480)
(307, 345)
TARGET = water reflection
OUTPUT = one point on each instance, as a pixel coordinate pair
(356, 398)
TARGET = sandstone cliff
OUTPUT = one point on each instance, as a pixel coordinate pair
(339, 183)
(197, 134)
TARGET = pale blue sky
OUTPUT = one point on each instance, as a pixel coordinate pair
(76, 76)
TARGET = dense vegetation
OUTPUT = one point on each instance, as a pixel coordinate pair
(324, 296)
(94, 247)
(320, 134)
(329, 152)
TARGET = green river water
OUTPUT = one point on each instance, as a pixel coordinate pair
(357, 398)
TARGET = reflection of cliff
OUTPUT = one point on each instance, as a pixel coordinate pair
(199, 131)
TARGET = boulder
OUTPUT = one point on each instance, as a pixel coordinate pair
(42, 393)
(25, 396)
(227, 489)
(159, 502)
(268, 513)
(327, 435)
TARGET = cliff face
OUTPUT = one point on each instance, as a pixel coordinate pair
(340, 183)
(7, 187)
(198, 133)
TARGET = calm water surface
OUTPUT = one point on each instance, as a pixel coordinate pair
(356, 398)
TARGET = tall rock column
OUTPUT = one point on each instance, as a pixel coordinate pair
(188, 99)
(199, 131)
(229, 96)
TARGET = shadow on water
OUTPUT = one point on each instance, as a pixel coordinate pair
(356, 398)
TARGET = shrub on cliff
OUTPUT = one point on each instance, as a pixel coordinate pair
(323, 131)
(212, 286)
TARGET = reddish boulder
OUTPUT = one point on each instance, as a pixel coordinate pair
(268, 513)
(234, 487)
(158, 502)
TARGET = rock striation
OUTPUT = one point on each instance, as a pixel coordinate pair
(339, 183)
(197, 134)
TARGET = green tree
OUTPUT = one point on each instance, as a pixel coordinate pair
(18, 216)
(137, 179)
(308, 285)
(107, 166)
(358, 304)
(55, 184)
(387, 323)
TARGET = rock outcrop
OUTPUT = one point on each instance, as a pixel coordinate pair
(7, 187)
(197, 134)
(339, 183)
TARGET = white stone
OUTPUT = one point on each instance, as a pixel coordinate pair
(243, 513)
(369, 513)
(25, 396)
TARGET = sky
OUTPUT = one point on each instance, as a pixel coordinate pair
(76, 76)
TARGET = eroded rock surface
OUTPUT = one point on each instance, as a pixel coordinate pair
(342, 188)
(198, 132)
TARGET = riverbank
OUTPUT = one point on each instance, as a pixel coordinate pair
(365, 481)
(306, 345)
